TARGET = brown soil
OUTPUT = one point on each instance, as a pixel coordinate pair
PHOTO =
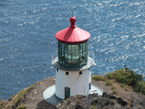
(37, 92)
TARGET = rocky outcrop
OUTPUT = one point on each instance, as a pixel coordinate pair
(107, 101)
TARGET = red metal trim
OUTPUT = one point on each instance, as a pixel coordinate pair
(73, 34)
(73, 42)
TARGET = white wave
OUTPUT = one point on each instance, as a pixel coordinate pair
(100, 4)
(1, 59)
(116, 19)
(125, 36)
(138, 16)
(106, 1)
(142, 23)
(136, 70)
(132, 4)
(141, 35)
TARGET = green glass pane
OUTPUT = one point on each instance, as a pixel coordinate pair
(72, 54)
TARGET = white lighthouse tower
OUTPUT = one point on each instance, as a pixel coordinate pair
(73, 75)
(72, 63)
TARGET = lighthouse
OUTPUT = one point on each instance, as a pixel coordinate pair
(73, 75)
(72, 63)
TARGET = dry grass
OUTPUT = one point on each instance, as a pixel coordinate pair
(115, 92)
(99, 78)
(16, 99)
(108, 83)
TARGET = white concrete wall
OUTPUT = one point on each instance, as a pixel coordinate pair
(90, 77)
(78, 84)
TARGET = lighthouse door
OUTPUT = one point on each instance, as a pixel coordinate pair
(67, 92)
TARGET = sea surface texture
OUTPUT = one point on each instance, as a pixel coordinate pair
(27, 37)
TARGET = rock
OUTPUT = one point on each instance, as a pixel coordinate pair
(59, 105)
(104, 94)
(113, 97)
(78, 107)
(122, 102)
(103, 102)
(10, 99)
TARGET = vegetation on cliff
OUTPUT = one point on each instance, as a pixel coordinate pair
(124, 77)
(118, 84)
(15, 101)
(128, 77)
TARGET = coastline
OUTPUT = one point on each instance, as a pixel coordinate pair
(34, 98)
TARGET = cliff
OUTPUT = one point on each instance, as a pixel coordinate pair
(119, 92)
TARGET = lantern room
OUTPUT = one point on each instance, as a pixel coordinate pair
(72, 45)
(72, 54)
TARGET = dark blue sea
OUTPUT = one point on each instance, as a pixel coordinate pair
(27, 37)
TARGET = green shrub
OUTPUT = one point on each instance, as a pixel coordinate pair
(98, 78)
(22, 107)
(128, 77)
(74, 103)
(114, 81)
(122, 85)
(12, 96)
(93, 107)
(108, 83)
(115, 92)
(112, 88)
(109, 75)
(122, 76)
(103, 79)
(143, 88)
(21, 94)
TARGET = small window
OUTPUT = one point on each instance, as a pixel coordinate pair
(57, 69)
(67, 73)
(80, 72)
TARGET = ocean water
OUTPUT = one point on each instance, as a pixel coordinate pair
(27, 37)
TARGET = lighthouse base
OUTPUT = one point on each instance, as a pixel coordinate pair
(50, 97)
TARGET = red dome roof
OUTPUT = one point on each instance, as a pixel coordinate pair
(72, 34)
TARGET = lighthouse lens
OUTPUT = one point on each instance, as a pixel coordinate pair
(73, 53)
